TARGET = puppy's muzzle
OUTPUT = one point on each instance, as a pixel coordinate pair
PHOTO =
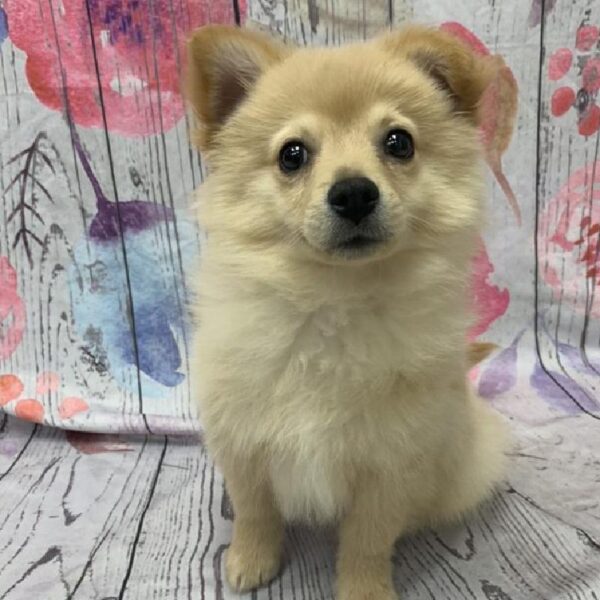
(353, 199)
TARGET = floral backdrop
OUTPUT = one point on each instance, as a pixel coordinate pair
(97, 244)
(97, 253)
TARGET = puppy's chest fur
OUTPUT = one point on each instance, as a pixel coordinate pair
(317, 395)
(328, 366)
(307, 465)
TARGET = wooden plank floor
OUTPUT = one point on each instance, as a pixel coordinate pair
(97, 517)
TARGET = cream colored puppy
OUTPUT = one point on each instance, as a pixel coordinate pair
(342, 209)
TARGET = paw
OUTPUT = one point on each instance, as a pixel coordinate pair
(251, 566)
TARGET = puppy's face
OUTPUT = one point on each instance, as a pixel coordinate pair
(342, 155)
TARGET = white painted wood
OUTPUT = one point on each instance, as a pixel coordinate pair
(149, 521)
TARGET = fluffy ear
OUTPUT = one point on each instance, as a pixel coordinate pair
(224, 62)
(448, 61)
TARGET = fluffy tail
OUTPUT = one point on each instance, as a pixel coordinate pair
(478, 351)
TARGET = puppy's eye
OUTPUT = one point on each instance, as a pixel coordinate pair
(399, 144)
(293, 156)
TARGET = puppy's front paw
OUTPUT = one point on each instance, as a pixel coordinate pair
(249, 566)
(365, 589)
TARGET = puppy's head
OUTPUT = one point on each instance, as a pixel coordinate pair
(342, 155)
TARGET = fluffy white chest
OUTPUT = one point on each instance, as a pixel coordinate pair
(331, 374)
(312, 488)
(339, 345)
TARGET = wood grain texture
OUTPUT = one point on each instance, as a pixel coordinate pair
(567, 192)
(99, 312)
(147, 522)
(48, 343)
(322, 22)
(89, 509)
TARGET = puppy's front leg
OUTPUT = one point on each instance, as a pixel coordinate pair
(254, 556)
(367, 536)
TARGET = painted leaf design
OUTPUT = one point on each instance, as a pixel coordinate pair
(3, 25)
(550, 388)
(161, 320)
(500, 375)
(138, 47)
(498, 111)
(535, 14)
(498, 116)
(12, 310)
(572, 354)
(576, 358)
(488, 300)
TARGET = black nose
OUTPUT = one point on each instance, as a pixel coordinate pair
(353, 198)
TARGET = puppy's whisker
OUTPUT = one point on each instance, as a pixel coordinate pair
(426, 226)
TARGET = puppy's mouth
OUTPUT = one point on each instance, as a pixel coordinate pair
(343, 242)
(357, 243)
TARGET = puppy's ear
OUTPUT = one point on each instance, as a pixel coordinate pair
(224, 62)
(449, 62)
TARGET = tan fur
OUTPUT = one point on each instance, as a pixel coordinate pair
(334, 389)
(478, 352)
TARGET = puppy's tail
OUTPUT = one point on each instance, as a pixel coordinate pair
(478, 351)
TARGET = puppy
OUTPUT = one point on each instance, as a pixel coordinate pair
(341, 210)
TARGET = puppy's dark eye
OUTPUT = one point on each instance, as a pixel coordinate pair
(292, 156)
(399, 144)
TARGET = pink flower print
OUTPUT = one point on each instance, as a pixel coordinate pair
(535, 13)
(590, 122)
(122, 58)
(11, 387)
(498, 111)
(12, 310)
(562, 100)
(47, 382)
(559, 64)
(586, 60)
(590, 75)
(29, 410)
(569, 240)
(466, 36)
(489, 301)
(586, 38)
(71, 406)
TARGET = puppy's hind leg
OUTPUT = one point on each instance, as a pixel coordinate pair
(471, 474)
(254, 556)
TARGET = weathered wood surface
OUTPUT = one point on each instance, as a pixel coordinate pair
(149, 520)
(567, 310)
(97, 173)
(98, 233)
(145, 517)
